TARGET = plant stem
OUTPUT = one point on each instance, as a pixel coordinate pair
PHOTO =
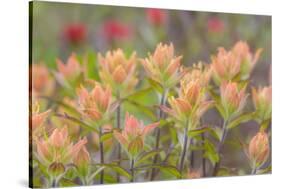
(254, 171)
(192, 155)
(118, 112)
(184, 150)
(221, 142)
(101, 155)
(132, 169)
(155, 159)
(203, 159)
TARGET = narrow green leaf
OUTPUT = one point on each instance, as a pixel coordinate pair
(165, 168)
(156, 86)
(106, 136)
(75, 120)
(146, 156)
(198, 131)
(140, 93)
(241, 119)
(117, 169)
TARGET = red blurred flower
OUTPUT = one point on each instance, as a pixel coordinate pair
(113, 29)
(156, 16)
(215, 25)
(75, 33)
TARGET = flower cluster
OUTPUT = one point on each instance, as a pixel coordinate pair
(103, 132)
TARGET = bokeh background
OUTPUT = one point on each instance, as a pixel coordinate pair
(62, 28)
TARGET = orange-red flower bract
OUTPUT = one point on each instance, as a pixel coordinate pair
(81, 159)
(262, 99)
(233, 99)
(71, 69)
(57, 148)
(163, 66)
(94, 104)
(133, 135)
(75, 33)
(192, 101)
(118, 71)
(192, 174)
(156, 16)
(259, 149)
(38, 118)
(236, 64)
(41, 81)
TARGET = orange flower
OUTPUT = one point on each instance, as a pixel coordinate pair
(190, 105)
(57, 148)
(233, 99)
(259, 149)
(81, 159)
(71, 69)
(41, 81)
(94, 104)
(262, 99)
(118, 71)
(133, 135)
(237, 63)
(192, 174)
(199, 72)
(38, 118)
(163, 67)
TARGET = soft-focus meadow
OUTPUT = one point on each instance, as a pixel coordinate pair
(120, 94)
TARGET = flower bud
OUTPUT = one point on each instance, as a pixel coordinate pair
(56, 169)
(262, 99)
(259, 149)
(192, 174)
(233, 99)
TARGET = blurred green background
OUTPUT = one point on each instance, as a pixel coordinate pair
(62, 28)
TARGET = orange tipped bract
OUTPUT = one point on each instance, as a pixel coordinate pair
(118, 71)
(133, 135)
(163, 66)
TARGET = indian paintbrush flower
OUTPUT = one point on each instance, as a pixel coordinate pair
(233, 99)
(163, 66)
(71, 69)
(133, 136)
(191, 103)
(42, 83)
(95, 104)
(234, 65)
(75, 33)
(38, 118)
(113, 29)
(118, 71)
(58, 148)
(192, 174)
(81, 160)
(262, 99)
(258, 151)
(215, 25)
(156, 17)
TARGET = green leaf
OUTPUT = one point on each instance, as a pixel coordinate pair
(198, 131)
(117, 169)
(165, 168)
(140, 93)
(146, 156)
(210, 152)
(92, 66)
(106, 136)
(156, 86)
(80, 123)
(241, 119)
(216, 132)
(221, 110)
(144, 109)
(94, 174)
